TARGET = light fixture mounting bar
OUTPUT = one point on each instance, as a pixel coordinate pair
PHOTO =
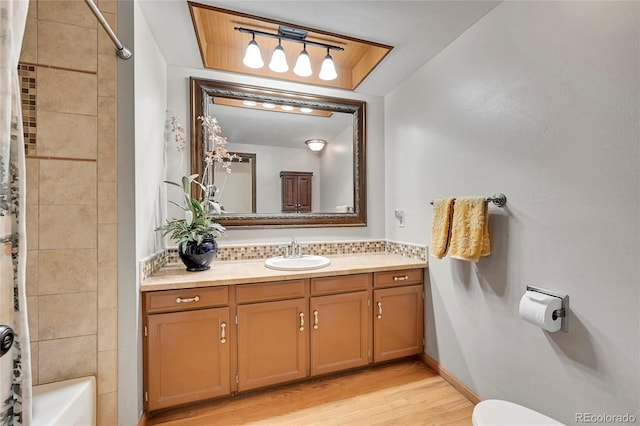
(284, 37)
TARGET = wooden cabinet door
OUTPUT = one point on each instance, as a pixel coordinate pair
(272, 343)
(289, 194)
(304, 194)
(398, 322)
(339, 332)
(187, 357)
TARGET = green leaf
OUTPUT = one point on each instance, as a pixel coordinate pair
(188, 216)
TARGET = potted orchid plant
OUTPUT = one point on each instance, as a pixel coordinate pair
(196, 231)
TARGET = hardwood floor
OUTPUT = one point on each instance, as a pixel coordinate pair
(401, 393)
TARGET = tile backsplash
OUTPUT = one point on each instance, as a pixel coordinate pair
(169, 256)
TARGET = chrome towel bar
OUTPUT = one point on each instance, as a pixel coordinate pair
(498, 199)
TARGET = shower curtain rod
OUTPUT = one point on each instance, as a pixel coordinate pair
(121, 50)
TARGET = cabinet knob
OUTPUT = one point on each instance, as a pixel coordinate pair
(223, 333)
(188, 300)
(402, 278)
(301, 321)
(379, 310)
(315, 319)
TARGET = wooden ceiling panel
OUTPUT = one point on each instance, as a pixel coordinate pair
(222, 48)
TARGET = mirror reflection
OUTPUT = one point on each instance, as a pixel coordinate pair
(237, 191)
(302, 157)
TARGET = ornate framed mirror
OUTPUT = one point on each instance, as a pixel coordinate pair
(272, 126)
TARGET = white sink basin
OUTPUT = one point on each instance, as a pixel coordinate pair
(297, 263)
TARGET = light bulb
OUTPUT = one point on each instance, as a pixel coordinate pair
(253, 57)
(303, 64)
(328, 69)
(278, 60)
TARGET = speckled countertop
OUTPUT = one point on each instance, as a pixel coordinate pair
(253, 271)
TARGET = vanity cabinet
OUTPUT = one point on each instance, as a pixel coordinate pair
(187, 346)
(296, 192)
(203, 343)
(341, 326)
(398, 314)
(273, 338)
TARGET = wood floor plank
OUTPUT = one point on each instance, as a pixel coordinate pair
(401, 393)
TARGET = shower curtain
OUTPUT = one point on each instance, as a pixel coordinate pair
(15, 365)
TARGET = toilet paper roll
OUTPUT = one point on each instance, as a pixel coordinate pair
(537, 308)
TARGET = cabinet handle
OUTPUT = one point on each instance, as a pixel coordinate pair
(379, 310)
(189, 300)
(402, 278)
(301, 321)
(315, 319)
(223, 333)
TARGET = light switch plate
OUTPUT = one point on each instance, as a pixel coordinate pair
(399, 214)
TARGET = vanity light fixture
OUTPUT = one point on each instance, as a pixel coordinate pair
(268, 105)
(279, 60)
(303, 64)
(287, 107)
(306, 110)
(253, 57)
(328, 69)
(249, 103)
(315, 145)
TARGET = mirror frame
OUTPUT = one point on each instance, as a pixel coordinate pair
(201, 89)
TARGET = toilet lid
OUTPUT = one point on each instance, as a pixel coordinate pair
(494, 412)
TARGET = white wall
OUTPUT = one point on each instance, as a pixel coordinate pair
(336, 167)
(538, 100)
(178, 103)
(142, 106)
(150, 107)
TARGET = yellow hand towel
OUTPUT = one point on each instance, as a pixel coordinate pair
(441, 227)
(470, 230)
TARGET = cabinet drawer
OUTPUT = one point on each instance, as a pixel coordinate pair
(400, 277)
(186, 299)
(340, 284)
(262, 292)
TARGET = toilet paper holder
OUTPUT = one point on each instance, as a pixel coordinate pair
(563, 312)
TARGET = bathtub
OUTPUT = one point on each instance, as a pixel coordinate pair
(67, 403)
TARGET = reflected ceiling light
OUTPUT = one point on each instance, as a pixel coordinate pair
(268, 105)
(328, 69)
(315, 145)
(303, 64)
(249, 103)
(287, 107)
(253, 57)
(306, 110)
(279, 58)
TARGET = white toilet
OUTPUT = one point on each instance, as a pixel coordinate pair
(494, 412)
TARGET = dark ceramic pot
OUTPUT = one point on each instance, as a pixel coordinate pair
(197, 257)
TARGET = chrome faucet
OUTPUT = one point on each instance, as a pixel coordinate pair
(294, 249)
